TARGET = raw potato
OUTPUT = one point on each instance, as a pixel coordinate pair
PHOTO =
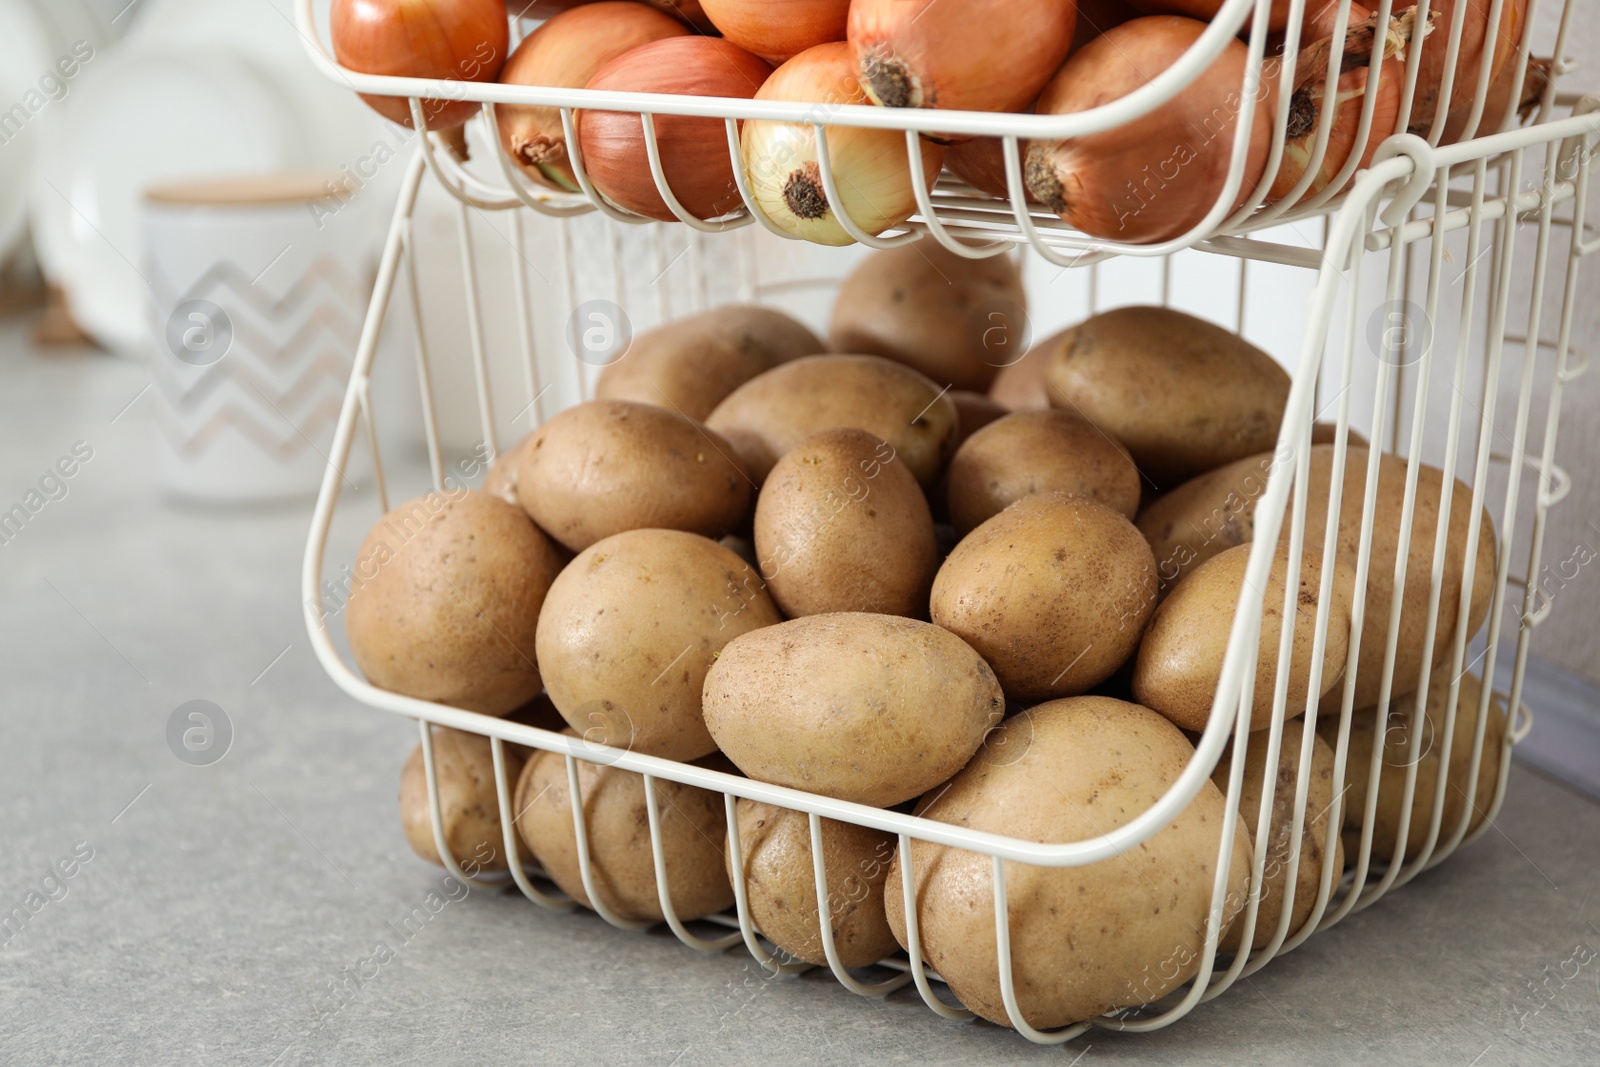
(1398, 752)
(1031, 452)
(689, 365)
(612, 465)
(1084, 940)
(1205, 516)
(1021, 386)
(446, 598)
(1217, 511)
(501, 481)
(1183, 395)
(775, 411)
(842, 525)
(875, 709)
(630, 629)
(1411, 649)
(468, 804)
(1313, 831)
(616, 820)
(775, 845)
(1180, 658)
(1053, 592)
(956, 320)
(974, 411)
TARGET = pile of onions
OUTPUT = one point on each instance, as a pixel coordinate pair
(981, 55)
(778, 30)
(566, 53)
(871, 171)
(445, 40)
(1355, 73)
(694, 151)
(1157, 176)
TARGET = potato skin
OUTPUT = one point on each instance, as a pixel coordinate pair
(842, 525)
(922, 305)
(1182, 394)
(1206, 515)
(1030, 452)
(631, 627)
(1180, 659)
(1053, 592)
(1411, 648)
(612, 465)
(689, 365)
(875, 709)
(775, 845)
(773, 412)
(447, 597)
(1084, 940)
(501, 481)
(468, 803)
(1397, 753)
(1021, 386)
(1313, 831)
(616, 819)
(1217, 511)
(974, 411)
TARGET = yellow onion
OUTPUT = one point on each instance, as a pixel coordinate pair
(1206, 10)
(566, 53)
(980, 55)
(1309, 98)
(1469, 59)
(688, 11)
(778, 30)
(447, 40)
(981, 163)
(870, 169)
(1499, 100)
(1156, 176)
(1097, 16)
(694, 151)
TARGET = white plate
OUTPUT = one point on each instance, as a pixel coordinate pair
(136, 116)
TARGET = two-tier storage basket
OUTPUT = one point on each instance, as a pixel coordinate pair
(1437, 318)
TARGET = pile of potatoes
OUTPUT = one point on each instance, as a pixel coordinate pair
(1002, 605)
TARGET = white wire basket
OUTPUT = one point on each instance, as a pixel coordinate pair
(1480, 241)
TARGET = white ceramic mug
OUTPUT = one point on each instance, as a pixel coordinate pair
(258, 287)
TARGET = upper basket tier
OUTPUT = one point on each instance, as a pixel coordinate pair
(1251, 149)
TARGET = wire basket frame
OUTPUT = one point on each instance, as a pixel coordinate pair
(1516, 198)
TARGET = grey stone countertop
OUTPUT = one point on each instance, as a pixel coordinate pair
(220, 903)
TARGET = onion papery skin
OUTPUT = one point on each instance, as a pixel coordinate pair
(566, 53)
(981, 163)
(778, 30)
(687, 11)
(1305, 107)
(871, 170)
(981, 55)
(1157, 176)
(447, 40)
(694, 151)
(1498, 101)
(1206, 10)
(1435, 56)
(1095, 17)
